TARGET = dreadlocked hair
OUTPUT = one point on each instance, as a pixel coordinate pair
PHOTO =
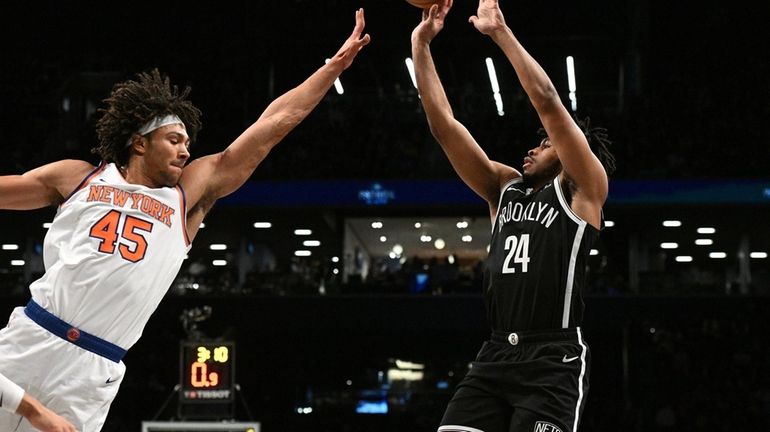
(598, 141)
(134, 103)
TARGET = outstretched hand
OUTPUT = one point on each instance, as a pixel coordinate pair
(489, 18)
(349, 50)
(432, 21)
(48, 421)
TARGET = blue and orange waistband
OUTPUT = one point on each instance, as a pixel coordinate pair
(72, 334)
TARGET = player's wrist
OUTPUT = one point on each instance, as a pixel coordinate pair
(28, 407)
(13, 394)
(500, 33)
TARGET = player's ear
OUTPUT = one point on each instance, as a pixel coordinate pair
(138, 143)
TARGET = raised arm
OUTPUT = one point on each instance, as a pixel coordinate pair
(579, 163)
(44, 186)
(217, 175)
(480, 173)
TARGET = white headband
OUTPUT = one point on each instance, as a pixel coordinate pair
(157, 122)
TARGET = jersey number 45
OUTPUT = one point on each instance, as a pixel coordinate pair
(106, 230)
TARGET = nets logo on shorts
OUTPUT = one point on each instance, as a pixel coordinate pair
(542, 426)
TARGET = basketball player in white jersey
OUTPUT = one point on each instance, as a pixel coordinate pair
(121, 232)
(532, 374)
(14, 399)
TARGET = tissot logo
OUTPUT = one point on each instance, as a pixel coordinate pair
(542, 426)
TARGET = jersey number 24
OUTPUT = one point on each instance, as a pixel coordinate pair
(518, 248)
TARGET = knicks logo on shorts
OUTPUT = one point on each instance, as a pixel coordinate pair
(73, 334)
(542, 426)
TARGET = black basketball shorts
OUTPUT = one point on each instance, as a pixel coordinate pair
(534, 381)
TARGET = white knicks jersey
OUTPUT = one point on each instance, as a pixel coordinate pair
(111, 253)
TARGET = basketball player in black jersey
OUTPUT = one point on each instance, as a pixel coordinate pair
(532, 375)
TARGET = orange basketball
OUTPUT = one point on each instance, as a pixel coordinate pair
(422, 4)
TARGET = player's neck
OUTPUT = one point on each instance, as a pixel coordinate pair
(537, 183)
(134, 174)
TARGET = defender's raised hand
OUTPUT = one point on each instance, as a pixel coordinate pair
(489, 18)
(354, 43)
(432, 22)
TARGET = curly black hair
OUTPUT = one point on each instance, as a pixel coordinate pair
(598, 140)
(132, 104)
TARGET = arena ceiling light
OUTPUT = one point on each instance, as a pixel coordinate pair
(704, 242)
(467, 238)
(9, 246)
(495, 86)
(593, 252)
(218, 246)
(706, 230)
(609, 224)
(572, 82)
(462, 224)
(47, 225)
(17, 263)
(439, 244)
(758, 255)
(302, 253)
(263, 225)
(337, 83)
(669, 245)
(302, 232)
(404, 375)
(410, 68)
(683, 258)
(672, 223)
(717, 255)
(377, 224)
(219, 263)
(405, 364)
(311, 243)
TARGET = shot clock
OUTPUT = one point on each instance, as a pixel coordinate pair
(207, 378)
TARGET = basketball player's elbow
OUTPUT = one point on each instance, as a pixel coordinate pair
(283, 122)
(544, 97)
(241, 164)
(440, 126)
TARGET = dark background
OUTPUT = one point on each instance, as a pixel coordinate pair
(681, 86)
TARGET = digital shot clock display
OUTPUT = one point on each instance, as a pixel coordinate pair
(208, 371)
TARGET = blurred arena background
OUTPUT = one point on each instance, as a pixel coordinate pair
(346, 273)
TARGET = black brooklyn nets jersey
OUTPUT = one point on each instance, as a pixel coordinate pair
(535, 273)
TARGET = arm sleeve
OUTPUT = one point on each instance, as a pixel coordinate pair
(10, 394)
